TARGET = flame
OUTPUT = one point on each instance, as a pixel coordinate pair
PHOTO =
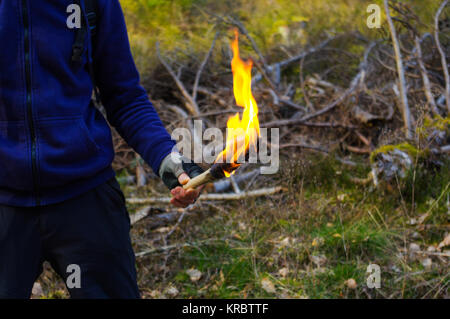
(241, 133)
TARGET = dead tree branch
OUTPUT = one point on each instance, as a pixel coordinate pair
(191, 105)
(207, 197)
(258, 77)
(425, 79)
(442, 53)
(401, 73)
(353, 86)
(202, 66)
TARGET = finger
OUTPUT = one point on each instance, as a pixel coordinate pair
(186, 200)
(183, 178)
(191, 194)
(177, 203)
(187, 196)
(176, 191)
(183, 202)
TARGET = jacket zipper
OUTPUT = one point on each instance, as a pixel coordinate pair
(31, 126)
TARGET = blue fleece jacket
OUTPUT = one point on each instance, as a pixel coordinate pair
(54, 144)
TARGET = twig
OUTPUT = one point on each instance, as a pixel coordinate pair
(160, 249)
(401, 73)
(425, 79)
(302, 122)
(277, 100)
(206, 197)
(214, 96)
(225, 184)
(358, 150)
(258, 77)
(191, 105)
(307, 146)
(302, 84)
(172, 230)
(442, 53)
(202, 66)
(354, 84)
(362, 181)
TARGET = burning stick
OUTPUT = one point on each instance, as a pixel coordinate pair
(217, 171)
(242, 134)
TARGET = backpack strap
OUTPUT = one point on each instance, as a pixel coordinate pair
(91, 11)
(81, 33)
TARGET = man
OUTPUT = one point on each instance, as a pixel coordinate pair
(59, 200)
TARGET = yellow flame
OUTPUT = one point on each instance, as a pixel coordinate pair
(241, 133)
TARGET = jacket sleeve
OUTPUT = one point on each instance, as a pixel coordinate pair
(125, 100)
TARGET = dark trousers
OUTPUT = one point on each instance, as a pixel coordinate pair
(88, 235)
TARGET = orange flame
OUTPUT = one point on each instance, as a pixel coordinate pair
(241, 133)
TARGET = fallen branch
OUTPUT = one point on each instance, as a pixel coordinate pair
(425, 79)
(161, 249)
(442, 53)
(202, 66)
(191, 105)
(225, 184)
(158, 220)
(354, 84)
(302, 122)
(306, 146)
(206, 197)
(258, 77)
(401, 73)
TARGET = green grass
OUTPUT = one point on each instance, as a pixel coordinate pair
(322, 216)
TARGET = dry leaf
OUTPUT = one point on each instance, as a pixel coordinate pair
(162, 229)
(285, 242)
(268, 286)
(242, 226)
(172, 291)
(427, 263)
(317, 241)
(414, 248)
(237, 236)
(319, 260)
(351, 283)
(431, 249)
(194, 274)
(283, 272)
(423, 217)
(37, 290)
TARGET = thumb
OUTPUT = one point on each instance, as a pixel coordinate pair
(183, 178)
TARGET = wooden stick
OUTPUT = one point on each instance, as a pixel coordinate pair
(202, 66)
(425, 79)
(206, 197)
(202, 179)
(442, 53)
(401, 74)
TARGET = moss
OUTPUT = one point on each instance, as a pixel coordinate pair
(412, 151)
(431, 124)
(438, 122)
